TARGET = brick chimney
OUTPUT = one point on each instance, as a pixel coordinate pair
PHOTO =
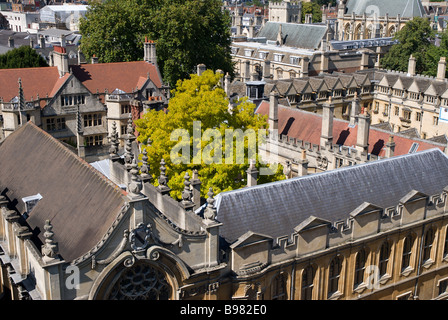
(60, 60)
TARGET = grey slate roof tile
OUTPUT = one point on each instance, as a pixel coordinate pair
(275, 209)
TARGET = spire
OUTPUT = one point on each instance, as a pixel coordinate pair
(50, 249)
(210, 211)
(21, 101)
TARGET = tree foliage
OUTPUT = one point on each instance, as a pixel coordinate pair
(201, 100)
(22, 57)
(311, 8)
(187, 33)
(414, 38)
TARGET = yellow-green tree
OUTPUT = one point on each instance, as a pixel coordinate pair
(199, 132)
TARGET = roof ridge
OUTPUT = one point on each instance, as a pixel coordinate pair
(332, 172)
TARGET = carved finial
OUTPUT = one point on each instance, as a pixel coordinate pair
(187, 195)
(50, 248)
(144, 169)
(113, 151)
(163, 179)
(135, 186)
(210, 211)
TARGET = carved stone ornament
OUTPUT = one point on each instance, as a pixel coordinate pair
(140, 237)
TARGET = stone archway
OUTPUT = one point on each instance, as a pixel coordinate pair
(154, 277)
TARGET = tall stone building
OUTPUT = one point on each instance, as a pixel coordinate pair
(365, 19)
(285, 11)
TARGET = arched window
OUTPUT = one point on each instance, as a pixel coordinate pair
(334, 275)
(308, 283)
(141, 282)
(279, 288)
(360, 267)
(427, 245)
(407, 252)
(384, 258)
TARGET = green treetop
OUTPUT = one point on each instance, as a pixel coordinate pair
(187, 33)
(414, 38)
(192, 135)
(22, 57)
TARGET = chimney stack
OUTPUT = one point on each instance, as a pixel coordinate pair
(327, 123)
(149, 51)
(354, 111)
(252, 174)
(273, 111)
(390, 147)
(201, 69)
(60, 60)
(412, 65)
(303, 165)
(441, 69)
(94, 59)
(42, 41)
(267, 69)
(11, 42)
(362, 139)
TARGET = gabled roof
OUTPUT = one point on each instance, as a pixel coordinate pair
(275, 209)
(305, 36)
(126, 76)
(307, 126)
(80, 203)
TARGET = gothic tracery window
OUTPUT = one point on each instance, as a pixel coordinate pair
(141, 282)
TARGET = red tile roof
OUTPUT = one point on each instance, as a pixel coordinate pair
(307, 126)
(35, 81)
(44, 81)
(126, 76)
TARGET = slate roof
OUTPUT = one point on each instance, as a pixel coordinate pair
(305, 36)
(275, 209)
(406, 8)
(307, 126)
(78, 200)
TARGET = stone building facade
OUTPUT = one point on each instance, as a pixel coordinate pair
(371, 231)
(78, 103)
(360, 19)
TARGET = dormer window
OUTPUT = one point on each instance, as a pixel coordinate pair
(278, 57)
(294, 60)
(30, 202)
(248, 53)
